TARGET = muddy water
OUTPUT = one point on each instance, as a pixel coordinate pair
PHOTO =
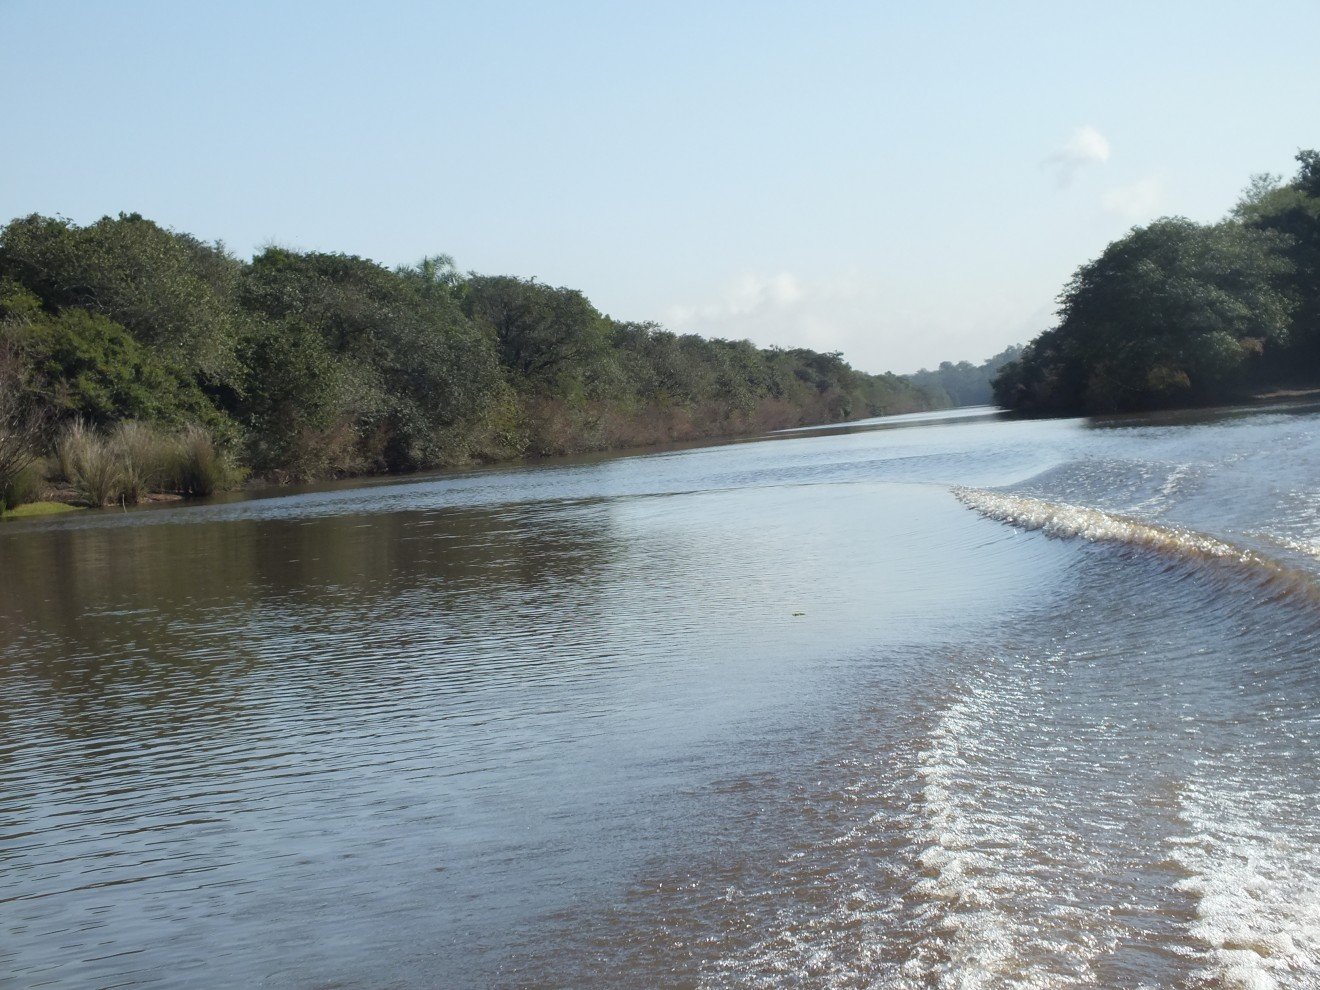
(927, 702)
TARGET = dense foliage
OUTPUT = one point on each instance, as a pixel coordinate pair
(963, 383)
(1180, 313)
(308, 364)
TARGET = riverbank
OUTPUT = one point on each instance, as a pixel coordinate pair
(52, 485)
(1280, 394)
(307, 365)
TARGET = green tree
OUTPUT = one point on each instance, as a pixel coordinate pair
(23, 422)
(89, 367)
(297, 405)
(435, 273)
(416, 371)
(173, 293)
(1292, 211)
(549, 338)
(964, 383)
(1172, 312)
(324, 363)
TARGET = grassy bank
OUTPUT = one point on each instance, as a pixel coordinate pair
(32, 510)
(126, 465)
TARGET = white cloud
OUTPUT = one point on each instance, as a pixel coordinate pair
(1087, 146)
(748, 295)
(879, 323)
(1135, 201)
(828, 312)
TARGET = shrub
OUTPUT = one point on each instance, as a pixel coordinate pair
(23, 421)
(137, 459)
(25, 485)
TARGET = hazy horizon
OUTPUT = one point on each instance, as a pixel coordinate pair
(906, 186)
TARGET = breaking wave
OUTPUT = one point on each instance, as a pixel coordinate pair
(1061, 520)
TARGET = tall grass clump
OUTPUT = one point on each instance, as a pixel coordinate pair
(136, 459)
(197, 466)
(90, 463)
(68, 449)
(144, 459)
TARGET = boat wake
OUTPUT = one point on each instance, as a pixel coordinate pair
(1060, 520)
(1255, 884)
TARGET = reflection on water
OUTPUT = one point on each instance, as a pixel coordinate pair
(773, 714)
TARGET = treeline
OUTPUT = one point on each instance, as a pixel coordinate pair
(963, 383)
(302, 365)
(1180, 313)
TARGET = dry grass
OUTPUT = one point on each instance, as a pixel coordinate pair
(197, 467)
(136, 459)
(90, 464)
(144, 458)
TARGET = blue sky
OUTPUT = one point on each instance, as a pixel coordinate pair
(903, 182)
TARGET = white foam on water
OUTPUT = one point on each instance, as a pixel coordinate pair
(1253, 870)
(925, 852)
(995, 892)
(1061, 520)
(835, 942)
(1310, 548)
(1168, 490)
(826, 950)
(964, 881)
(988, 865)
(966, 859)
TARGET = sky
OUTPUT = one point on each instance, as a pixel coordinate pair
(906, 183)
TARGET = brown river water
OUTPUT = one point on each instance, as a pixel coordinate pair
(933, 701)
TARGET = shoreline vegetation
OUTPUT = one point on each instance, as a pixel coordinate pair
(138, 362)
(1180, 314)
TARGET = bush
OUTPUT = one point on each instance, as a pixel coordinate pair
(68, 450)
(23, 420)
(26, 485)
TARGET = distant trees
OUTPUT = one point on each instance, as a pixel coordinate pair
(313, 364)
(1178, 312)
(963, 383)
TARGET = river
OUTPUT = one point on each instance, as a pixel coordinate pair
(929, 701)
